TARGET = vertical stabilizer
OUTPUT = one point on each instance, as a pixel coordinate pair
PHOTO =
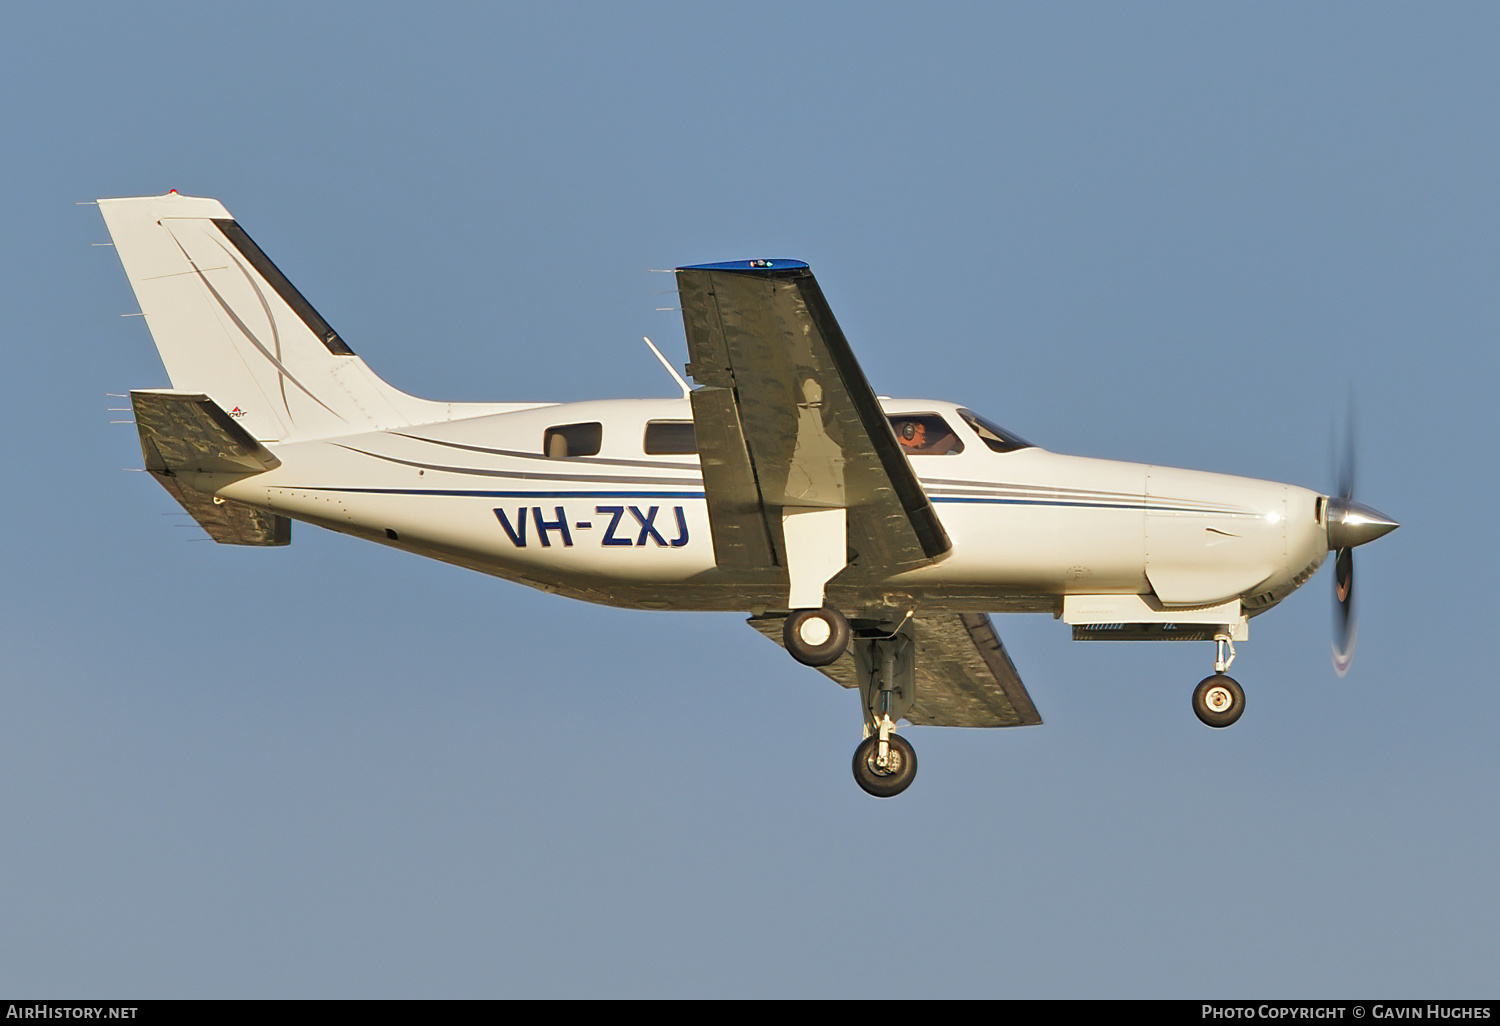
(229, 324)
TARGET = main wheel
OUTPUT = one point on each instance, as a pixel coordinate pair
(1218, 700)
(816, 637)
(899, 772)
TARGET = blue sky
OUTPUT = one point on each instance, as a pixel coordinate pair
(1174, 233)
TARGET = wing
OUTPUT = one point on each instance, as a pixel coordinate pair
(964, 676)
(785, 418)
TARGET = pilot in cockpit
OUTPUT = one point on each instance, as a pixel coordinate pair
(912, 434)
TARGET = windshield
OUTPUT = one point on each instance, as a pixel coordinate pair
(992, 434)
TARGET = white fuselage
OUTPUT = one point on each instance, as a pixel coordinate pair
(625, 527)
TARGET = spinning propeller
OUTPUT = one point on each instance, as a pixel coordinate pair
(1349, 524)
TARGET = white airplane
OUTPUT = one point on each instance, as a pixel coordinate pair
(864, 534)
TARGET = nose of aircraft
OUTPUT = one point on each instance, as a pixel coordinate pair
(1351, 523)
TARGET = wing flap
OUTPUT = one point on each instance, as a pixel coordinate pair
(737, 521)
(964, 676)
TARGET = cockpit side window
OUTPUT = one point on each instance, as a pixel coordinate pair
(925, 434)
(992, 434)
(568, 440)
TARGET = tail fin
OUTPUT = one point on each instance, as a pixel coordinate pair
(228, 323)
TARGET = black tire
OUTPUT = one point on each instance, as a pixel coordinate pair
(891, 782)
(1218, 700)
(803, 632)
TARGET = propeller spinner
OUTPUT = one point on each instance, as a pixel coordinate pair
(1349, 524)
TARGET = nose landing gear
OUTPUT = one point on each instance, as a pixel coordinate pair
(1218, 700)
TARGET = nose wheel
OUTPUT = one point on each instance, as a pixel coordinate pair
(1218, 700)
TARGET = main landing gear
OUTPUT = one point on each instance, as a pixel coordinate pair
(884, 666)
(816, 637)
(888, 775)
(1218, 700)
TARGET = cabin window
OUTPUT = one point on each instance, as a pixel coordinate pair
(670, 438)
(925, 434)
(992, 434)
(568, 440)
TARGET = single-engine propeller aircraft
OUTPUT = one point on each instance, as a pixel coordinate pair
(869, 536)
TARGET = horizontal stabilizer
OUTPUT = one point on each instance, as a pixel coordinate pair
(186, 434)
(190, 434)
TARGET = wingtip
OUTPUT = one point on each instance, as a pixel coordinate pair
(778, 264)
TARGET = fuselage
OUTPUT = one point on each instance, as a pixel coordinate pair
(610, 517)
(869, 536)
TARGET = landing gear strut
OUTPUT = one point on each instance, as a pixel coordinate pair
(1218, 700)
(882, 650)
(885, 763)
